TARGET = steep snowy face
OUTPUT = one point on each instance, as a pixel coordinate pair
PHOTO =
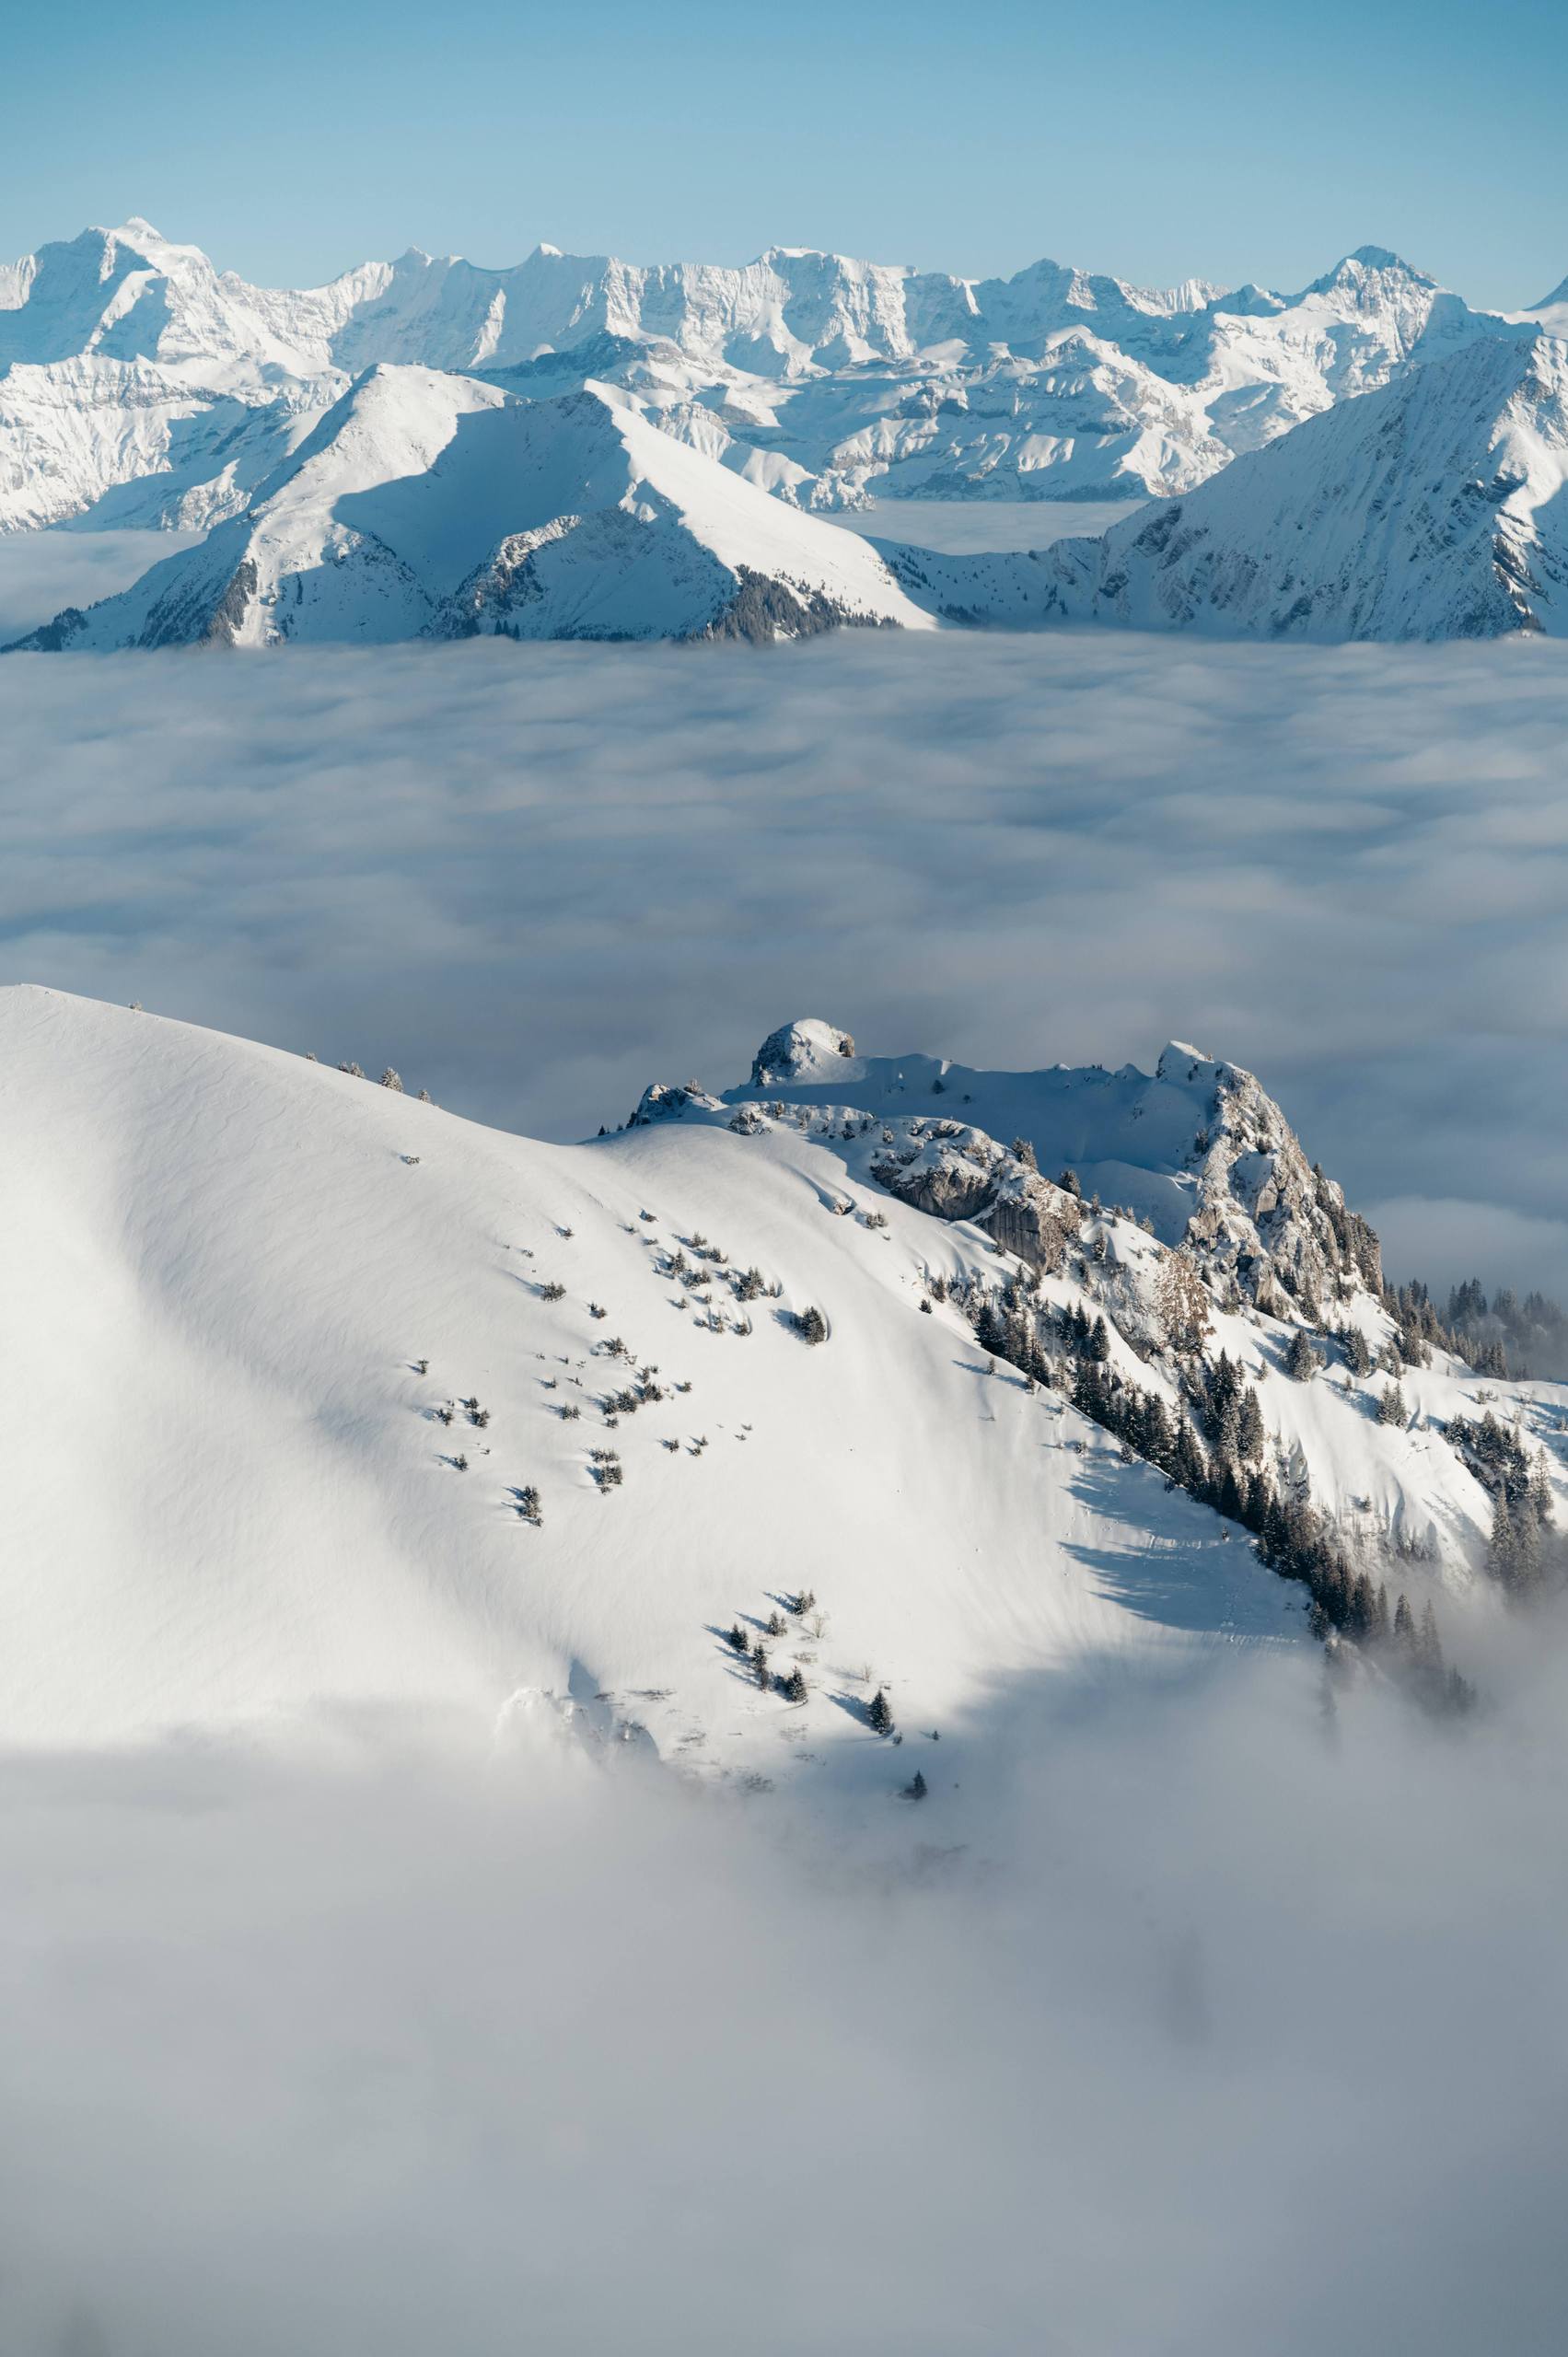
(1199, 1149)
(424, 503)
(826, 374)
(1432, 509)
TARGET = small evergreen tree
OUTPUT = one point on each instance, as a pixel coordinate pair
(880, 1716)
(1251, 1437)
(916, 1788)
(795, 1685)
(811, 1326)
(1358, 1358)
(1302, 1360)
(1391, 1408)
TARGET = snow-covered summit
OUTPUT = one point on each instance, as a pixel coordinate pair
(424, 503)
(825, 374)
(319, 1395)
(1433, 508)
(1198, 1149)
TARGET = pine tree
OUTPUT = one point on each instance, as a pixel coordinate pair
(1358, 1358)
(738, 1638)
(811, 1326)
(915, 1790)
(760, 1664)
(1302, 1360)
(1251, 1437)
(1188, 1467)
(1404, 1626)
(795, 1685)
(1391, 1408)
(880, 1716)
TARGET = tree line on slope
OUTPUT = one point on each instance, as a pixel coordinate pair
(1222, 1466)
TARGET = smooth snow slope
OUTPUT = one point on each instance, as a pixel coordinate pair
(430, 504)
(230, 1498)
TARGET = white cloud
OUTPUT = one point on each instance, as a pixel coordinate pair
(1204, 2027)
(537, 877)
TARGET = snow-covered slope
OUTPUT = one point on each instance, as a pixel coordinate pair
(230, 1492)
(426, 503)
(1435, 508)
(814, 375)
(321, 1397)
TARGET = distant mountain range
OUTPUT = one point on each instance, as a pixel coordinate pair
(578, 447)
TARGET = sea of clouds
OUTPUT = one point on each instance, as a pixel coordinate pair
(535, 878)
(1218, 2019)
(1222, 2018)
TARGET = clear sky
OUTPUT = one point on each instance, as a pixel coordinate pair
(1216, 139)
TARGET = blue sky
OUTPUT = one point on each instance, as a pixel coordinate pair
(1216, 139)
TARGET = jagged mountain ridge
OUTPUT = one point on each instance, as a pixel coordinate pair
(322, 1397)
(435, 504)
(128, 359)
(1433, 508)
(1197, 1149)
(427, 505)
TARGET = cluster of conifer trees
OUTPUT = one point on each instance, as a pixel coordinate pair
(1214, 1446)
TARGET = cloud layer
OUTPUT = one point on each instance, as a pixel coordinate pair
(535, 878)
(1206, 2024)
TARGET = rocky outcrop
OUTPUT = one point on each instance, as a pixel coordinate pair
(955, 1172)
(1264, 1216)
(807, 1050)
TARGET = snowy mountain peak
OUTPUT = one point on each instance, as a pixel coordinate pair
(814, 374)
(424, 503)
(1431, 508)
(1178, 1058)
(807, 1050)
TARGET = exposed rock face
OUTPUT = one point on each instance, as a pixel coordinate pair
(660, 1102)
(807, 1050)
(956, 1172)
(1199, 1153)
(763, 610)
(1264, 1215)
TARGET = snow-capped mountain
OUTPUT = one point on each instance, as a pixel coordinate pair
(430, 504)
(321, 1397)
(127, 360)
(1435, 508)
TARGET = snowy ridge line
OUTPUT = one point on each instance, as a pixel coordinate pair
(327, 1399)
(138, 384)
